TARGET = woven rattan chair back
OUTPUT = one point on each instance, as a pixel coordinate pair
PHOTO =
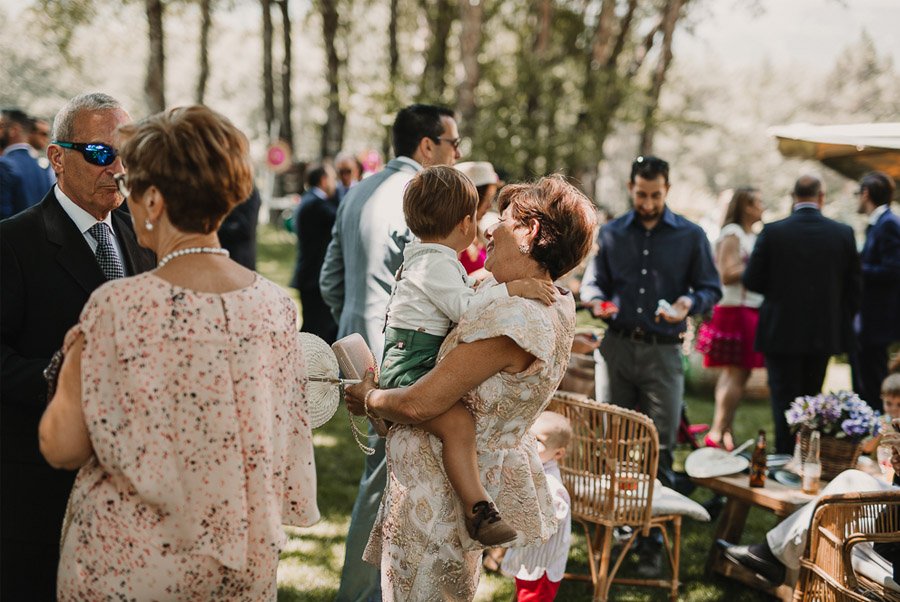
(839, 523)
(610, 466)
(610, 471)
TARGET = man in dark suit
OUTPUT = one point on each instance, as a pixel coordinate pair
(313, 221)
(238, 231)
(878, 323)
(807, 267)
(23, 181)
(51, 261)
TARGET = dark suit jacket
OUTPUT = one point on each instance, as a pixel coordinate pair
(238, 231)
(879, 314)
(23, 182)
(313, 221)
(807, 267)
(48, 273)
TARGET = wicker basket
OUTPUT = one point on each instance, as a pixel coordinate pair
(837, 455)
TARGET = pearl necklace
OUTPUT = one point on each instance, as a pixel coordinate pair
(190, 251)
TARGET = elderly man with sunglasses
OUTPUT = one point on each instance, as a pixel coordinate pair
(53, 256)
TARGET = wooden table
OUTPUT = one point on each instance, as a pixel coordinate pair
(774, 497)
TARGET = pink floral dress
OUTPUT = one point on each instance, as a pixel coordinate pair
(195, 404)
(419, 540)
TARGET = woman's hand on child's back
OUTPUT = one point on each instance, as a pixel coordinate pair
(533, 288)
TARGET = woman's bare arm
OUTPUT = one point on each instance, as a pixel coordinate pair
(728, 260)
(464, 368)
(63, 434)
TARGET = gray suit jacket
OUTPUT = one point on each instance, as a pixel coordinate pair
(366, 249)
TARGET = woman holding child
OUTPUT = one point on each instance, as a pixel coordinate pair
(504, 359)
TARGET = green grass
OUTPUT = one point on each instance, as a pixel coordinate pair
(311, 562)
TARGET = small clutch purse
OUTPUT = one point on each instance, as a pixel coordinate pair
(355, 359)
(51, 373)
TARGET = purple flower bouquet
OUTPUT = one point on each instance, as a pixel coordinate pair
(841, 415)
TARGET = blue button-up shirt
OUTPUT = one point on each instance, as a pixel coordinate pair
(636, 267)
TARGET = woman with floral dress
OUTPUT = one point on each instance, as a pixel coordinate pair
(505, 360)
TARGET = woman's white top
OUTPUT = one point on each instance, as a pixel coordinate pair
(735, 294)
(433, 290)
(531, 562)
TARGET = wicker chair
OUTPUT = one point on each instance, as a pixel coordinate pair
(610, 472)
(839, 523)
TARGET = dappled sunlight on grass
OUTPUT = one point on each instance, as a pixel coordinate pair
(324, 440)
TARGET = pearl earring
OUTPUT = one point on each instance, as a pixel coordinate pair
(148, 225)
(524, 249)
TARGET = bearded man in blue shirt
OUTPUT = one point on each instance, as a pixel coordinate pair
(649, 256)
(654, 269)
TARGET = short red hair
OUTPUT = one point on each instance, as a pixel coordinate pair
(566, 219)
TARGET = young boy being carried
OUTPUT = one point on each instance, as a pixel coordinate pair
(431, 292)
(539, 569)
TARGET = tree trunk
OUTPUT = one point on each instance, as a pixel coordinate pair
(471, 14)
(670, 18)
(268, 82)
(205, 24)
(333, 130)
(287, 104)
(532, 77)
(393, 73)
(155, 85)
(606, 87)
(439, 15)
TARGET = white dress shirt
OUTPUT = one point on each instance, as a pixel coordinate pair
(434, 290)
(531, 562)
(84, 221)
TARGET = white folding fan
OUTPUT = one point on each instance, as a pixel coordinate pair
(325, 388)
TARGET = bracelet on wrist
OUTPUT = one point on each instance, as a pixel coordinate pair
(366, 403)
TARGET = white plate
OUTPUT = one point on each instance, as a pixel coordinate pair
(709, 462)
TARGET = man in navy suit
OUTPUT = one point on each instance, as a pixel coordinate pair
(807, 267)
(878, 323)
(313, 221)
(23, 182)
(51, 263)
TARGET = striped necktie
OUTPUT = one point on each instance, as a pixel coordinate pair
(106, 253)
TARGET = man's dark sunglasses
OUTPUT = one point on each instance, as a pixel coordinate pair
(454, 142)
(94, 153)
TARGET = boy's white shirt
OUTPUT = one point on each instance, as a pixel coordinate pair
(530, 563)
(434, 290)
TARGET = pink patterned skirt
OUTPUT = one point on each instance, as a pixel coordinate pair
(736, 325)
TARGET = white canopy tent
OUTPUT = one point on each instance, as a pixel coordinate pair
(851, 150)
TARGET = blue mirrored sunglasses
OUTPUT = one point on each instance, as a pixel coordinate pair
(94, 153)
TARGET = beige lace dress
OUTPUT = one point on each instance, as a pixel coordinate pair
(419, 539)
(196, 408)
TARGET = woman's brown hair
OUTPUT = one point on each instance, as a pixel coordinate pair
(198, 160)
(566, 221)
(742, 197)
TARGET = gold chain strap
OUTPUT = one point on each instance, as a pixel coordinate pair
(358, 435)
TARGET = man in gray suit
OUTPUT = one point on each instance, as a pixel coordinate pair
(365, 251)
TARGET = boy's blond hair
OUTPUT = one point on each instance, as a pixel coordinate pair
(891, 385)
(555, 428)
(437, 199)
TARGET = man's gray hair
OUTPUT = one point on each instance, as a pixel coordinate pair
(64, 123)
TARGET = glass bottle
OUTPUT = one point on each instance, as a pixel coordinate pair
(758, 462)
(812, 465)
